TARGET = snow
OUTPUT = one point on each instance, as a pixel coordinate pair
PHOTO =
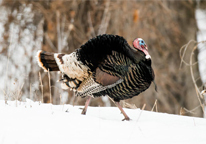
(200, 16)
(32, 122)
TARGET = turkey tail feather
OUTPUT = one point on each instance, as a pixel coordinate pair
(47, 61)
(73, 71)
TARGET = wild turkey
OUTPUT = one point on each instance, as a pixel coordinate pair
(105, 65)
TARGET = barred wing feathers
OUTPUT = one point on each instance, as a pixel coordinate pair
(137, 77)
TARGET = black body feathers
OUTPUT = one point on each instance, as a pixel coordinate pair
(96, 49)
(113, 55)
(137, 77)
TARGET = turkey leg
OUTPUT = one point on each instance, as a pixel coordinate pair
(86, 105)
(123, 112)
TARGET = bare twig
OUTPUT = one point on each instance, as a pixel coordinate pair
(128, 105)
(193, 79)
(50, 96)
(20, 90)
(185, 47)
(17, 95)
(30, 91)
(111, 99)
(8, 58)
(191, 111)
(181, 111)
(143, 107)
(42, 94)
(155, 106)
(4, 94)
(59, 49)
(191, 64)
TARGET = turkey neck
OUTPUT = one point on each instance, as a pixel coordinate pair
(136, 56)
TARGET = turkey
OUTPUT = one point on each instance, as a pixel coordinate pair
(104, 65)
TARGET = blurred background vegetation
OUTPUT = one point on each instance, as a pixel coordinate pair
(64, 25)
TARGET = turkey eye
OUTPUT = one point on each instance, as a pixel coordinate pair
(142, 41)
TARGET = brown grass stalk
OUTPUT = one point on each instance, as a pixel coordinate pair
(50, 95)
(191, 64)
(42, 94)
(155, 106)
(193, 79)
(8, 59)
(143, 107)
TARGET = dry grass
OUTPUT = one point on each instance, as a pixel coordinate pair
(42, 89)
(191, 63)
(50, 93)
(143, 107)
(155, 106)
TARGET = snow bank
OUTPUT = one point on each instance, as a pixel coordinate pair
(33, 123)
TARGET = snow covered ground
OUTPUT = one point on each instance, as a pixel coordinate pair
(33, 123)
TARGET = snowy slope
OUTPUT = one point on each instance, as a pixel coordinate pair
(34, 123)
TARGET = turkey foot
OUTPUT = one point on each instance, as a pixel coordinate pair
(84, 111)
(123, 112)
